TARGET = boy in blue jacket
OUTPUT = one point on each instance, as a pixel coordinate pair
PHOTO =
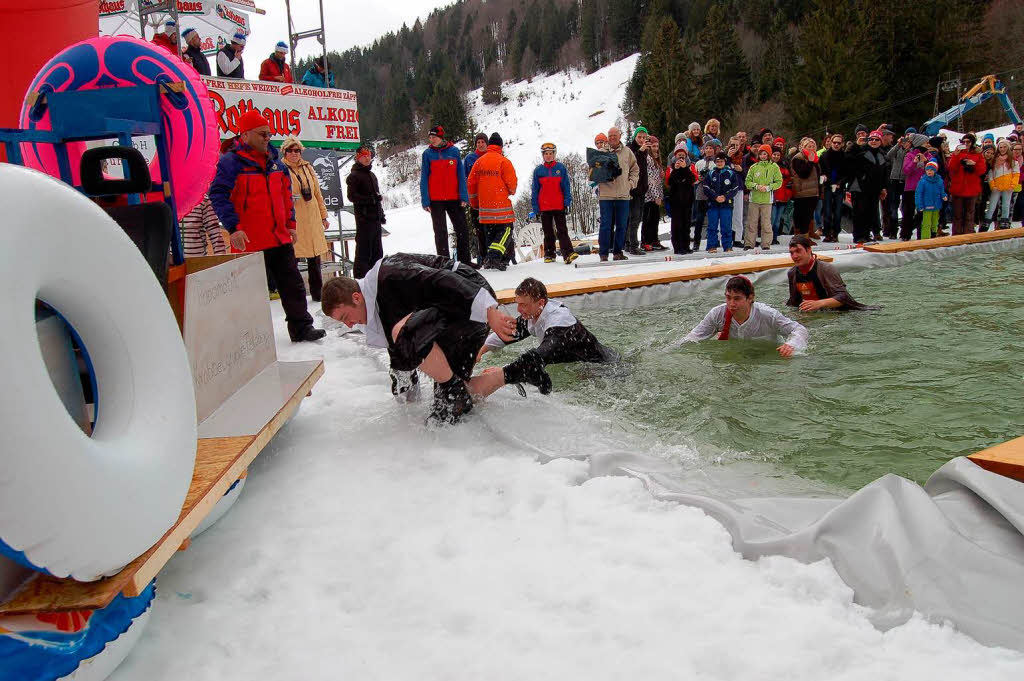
(552, 197)
(720, 185)
(928, 197)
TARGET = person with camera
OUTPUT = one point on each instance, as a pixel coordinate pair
(310, 212)
(640, 146)
(966, 169)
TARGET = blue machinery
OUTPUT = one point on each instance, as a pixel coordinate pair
(989, 87)
(103, 114)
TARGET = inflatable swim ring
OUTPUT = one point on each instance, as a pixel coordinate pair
(71, 504)
(220, 508)
(123, 61)
(82, 645)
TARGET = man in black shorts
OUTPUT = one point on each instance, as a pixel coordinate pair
(431, 313)
(563, 338)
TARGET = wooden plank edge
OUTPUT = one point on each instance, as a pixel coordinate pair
(169, 545)
(671, 276)
(946, 241)
(1006, 458)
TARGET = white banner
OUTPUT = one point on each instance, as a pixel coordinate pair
(320, 117)
(215, 20)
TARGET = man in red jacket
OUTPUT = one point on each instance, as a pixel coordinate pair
(966, 170)
(275, 68)
(252, 195)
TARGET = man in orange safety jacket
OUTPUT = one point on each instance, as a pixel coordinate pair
(491, 182)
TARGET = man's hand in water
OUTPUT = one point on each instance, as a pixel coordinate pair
(810, 305)
(786, 350)
(501, 324)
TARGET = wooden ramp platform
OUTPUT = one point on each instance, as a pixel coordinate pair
(575, 288)
(943, 241)
(219, 462)
(1005, 459)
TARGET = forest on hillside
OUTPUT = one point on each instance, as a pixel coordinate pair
(796, 66)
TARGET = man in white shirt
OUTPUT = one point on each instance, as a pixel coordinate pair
(562, 338)
(741, 317)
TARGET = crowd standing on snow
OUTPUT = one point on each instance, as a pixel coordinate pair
(744, 191)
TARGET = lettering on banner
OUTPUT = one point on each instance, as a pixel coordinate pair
(283, 122)
(112, 7)
(225, 12)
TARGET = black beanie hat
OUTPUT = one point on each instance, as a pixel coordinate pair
(496, 140)
(721, 156)
(437, 130)
(935, 142)
(480, 136)
(860, 128)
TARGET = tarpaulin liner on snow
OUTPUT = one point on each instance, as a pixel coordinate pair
(952, 550)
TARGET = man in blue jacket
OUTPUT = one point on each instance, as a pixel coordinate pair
(482, 243)
(443, 192)
(552, 196)
(315, 75)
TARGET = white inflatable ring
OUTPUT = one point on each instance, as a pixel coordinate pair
(70, 504)
(220, 508)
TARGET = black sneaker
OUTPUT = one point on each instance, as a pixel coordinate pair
(309, 335)
(452, 401)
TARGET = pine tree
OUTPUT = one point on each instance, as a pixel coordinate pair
(448, 108)
(836, 79)
(668, 93)
(724, 75)
(492, 93)
(589, 34)
(777, 67)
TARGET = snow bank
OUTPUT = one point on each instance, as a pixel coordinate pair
(366, 546)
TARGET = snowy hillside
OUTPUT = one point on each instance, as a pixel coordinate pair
(567, 109)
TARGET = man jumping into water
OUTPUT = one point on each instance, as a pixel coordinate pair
(431, 313)
(741, 317)
(816, 285)
(562, 338)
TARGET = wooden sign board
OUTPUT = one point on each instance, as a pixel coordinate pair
(228, 332)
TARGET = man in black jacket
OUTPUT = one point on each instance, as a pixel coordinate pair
(198, 60)
(431, 313)
(639, 147)
(364, 195)
(867, 174)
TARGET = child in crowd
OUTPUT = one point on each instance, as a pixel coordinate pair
(782, 207)
(720, 187)
(763, 178)
(929, 197)
(700, 205)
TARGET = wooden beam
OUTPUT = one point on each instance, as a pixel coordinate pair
(944, 241)
(719, 269)
(1005, 459)
(219, 462)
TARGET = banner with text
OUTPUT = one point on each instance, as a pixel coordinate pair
(320, 117)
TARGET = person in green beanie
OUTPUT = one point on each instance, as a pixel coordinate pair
(763, 178)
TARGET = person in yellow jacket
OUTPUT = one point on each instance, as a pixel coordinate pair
(1003, 178)
(491, 182)
(310, 212)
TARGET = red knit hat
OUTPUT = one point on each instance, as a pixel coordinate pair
(251, 120)
(765, 148)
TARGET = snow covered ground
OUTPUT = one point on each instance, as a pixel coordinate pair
(367, 546)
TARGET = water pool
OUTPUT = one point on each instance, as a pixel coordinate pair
(933, 375)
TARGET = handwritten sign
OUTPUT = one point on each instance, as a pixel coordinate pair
(228, 332)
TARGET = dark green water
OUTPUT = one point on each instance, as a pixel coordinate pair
(935, 374)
